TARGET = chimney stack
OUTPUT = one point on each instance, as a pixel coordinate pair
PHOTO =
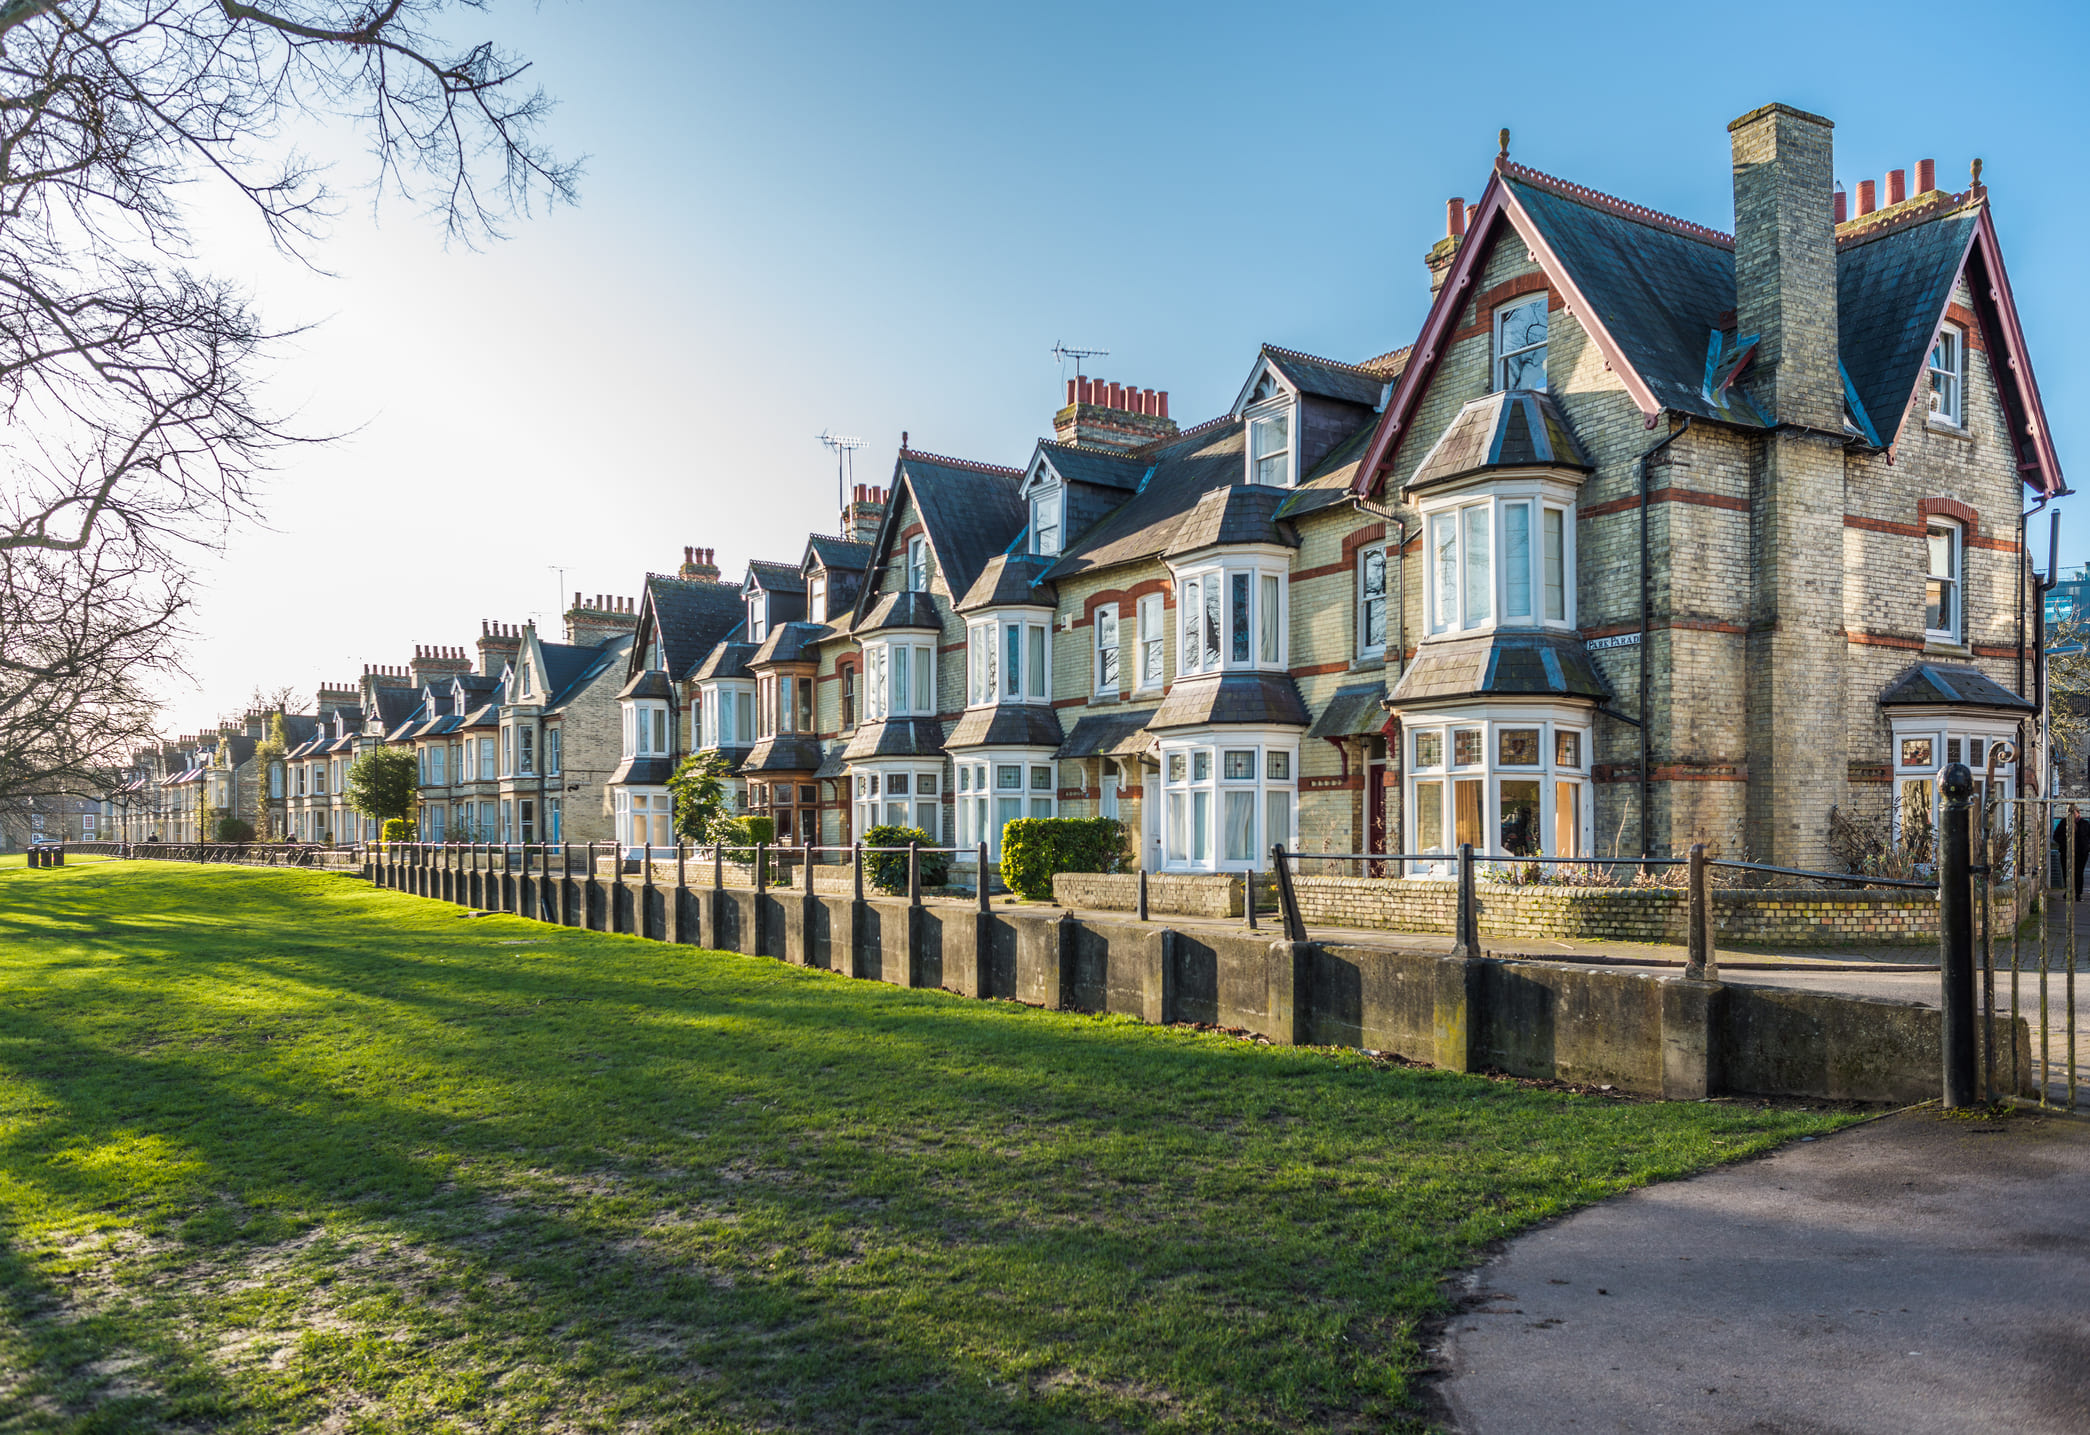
(588, 625)
(1439, 260)
(437, 664)
(866, 510)
(697, 566)
(1112, 415)
(498, 644)
(1785, 261)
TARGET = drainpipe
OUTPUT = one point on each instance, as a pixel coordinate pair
(1646, 786)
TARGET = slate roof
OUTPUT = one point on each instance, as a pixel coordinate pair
(1519, 428)
(1508, 664)
(1328, 378)
(1007, 725)
(1106, 468)
(693, 617)
(1329, 483)
(298, 728)
(1352, 712)
(783, 752)
(833, 764)
(1144, 525)
(792, 642)
(1659, 292)
(651, 683)
(1237, 513)
(1107, 735)
(843, 553)
(1934, 684)
(896, 737)
(1009, 580)
(1890, 291)
(569, 668)
(643, 772)
(901, 610)
(970, 511)
(1248, 699)
(727, 660)
(776, 577)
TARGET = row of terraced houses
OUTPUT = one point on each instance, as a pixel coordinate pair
(1654, 533)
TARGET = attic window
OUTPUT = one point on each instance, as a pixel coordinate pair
(1045, 522)
(816, 598)
(917, 565)
(1520, 344)
(1270, 450)
(1948, 375)
(757, 623)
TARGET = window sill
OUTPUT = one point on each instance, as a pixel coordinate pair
(1938, 647)
(1369, 662)
(1947, 428)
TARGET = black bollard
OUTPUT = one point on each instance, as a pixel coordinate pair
(1956, 938)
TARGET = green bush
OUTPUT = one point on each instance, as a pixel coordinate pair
(887, 871)
(397, 829)
(1034, 848)
(235, 829)
(734, 832)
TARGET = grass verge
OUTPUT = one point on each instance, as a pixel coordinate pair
(278, 1151)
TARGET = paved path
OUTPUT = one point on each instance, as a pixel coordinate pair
(1913, 1276)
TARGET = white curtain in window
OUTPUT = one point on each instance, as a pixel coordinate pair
(1480, 580)
(1556, 566)
(1516, 560)
(924, 675)
(1444, 567)
(1240, 826)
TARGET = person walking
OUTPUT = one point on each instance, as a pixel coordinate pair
(2081, 827)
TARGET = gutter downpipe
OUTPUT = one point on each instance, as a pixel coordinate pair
(1646, 783)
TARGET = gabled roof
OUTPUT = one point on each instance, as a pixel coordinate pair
(774, 577)
(1318, 378)
(692, 616)
(568, 669)
(1105, 468)
(1656, 295)
(1144, 525)
(969, 512)
(832, 552)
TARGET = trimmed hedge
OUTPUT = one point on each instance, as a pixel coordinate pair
(396, 829)
(235, 829)
(1033, 849)
(887, 871)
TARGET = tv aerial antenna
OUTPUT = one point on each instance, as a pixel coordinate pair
(845, 447)
(1064, 352)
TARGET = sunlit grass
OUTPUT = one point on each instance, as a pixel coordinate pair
(278, 1151)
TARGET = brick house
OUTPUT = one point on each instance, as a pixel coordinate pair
(1806, 431)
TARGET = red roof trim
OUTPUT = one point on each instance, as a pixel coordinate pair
(1495, 207)
(2017, 358)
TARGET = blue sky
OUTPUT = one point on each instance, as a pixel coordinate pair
(876, 219)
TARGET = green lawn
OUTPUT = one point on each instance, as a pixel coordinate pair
(278, 1151)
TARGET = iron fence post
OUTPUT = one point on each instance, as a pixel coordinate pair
(914, 874)
(984, 905)
(856, 861)
(1467, 920)
(1142, 894)
(1956, 939)
(1294, 924)
(761, 868)
(1697, 918)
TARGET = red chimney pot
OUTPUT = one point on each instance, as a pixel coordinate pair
(1843, 206)
(1897, 185)
(1926, 175)
(1867, 197)
(1117, 395)
(1163, 396)
(1454, 218)
(1070, 391)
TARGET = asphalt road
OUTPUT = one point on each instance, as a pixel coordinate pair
(1914, 1275)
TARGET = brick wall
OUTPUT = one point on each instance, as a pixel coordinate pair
(1187, 894)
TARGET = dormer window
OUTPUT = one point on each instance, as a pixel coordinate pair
(816, 597)
(757, 620)
(1520, 344)
(1045, 522)
(1270, 449)
(917, 565)
(1948, 376)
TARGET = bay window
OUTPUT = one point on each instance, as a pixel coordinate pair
(1513, 783)
(997, 787)
(1008, 660)
(1923, 746)
(1232, 618)
(1499, 559)
(1227, 799)
(899, 680)
(897, 797)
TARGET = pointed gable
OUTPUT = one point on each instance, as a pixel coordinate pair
(968, 511)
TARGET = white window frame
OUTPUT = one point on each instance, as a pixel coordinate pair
(1239, 649)
(1195, 789)
(1947, 734)
(1502, 354)
(816, 596)
(757, 618)
(1954, 581)
(1365, 647)
(917, 575)
(1273, 467)
(1948, 380)
(1047, 501)
(1109, 675)
(1440, 729)
(1153, 643)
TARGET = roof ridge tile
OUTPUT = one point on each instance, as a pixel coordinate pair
(966, 463)
(1897, 217)
(1357, 369)
(1623, 208)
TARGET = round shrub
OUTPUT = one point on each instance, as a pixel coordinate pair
(1034, 848)
(887, 871)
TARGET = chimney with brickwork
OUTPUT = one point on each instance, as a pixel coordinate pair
(588, 624)
(1442, 254)
(865, 512)
(498, 645)
(436, 664)
(1797, 655)
(697, 567)
(1107, 415)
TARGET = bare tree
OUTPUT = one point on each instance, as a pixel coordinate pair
(131, 425)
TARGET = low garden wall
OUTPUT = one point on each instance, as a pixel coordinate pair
(1182, 894)
(1656, 1033)
(1641, 914)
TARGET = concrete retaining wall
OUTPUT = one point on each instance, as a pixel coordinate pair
(1652, 1033)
